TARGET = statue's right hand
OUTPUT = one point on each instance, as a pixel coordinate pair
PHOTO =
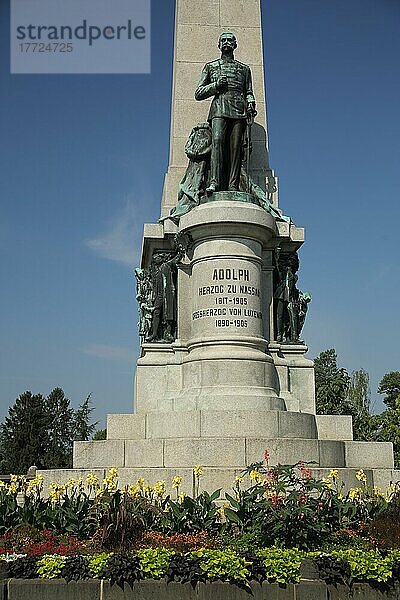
(222, 82)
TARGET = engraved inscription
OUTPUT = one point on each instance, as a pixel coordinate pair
(237, 299)
(234, 274)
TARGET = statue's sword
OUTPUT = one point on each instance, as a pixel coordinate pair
(249, 120)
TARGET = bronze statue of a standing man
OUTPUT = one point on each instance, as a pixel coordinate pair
(229, 81)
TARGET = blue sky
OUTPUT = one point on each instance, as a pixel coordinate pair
(82, 161)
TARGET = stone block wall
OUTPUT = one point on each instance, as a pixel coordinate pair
(307, 589)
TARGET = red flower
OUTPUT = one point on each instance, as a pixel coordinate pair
(276, 499)
(304, 470)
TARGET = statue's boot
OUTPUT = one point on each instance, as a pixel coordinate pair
(213, 187)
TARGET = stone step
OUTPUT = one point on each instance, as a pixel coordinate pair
(213, 478)
(334, 427)
(229, 424)
(230, 452)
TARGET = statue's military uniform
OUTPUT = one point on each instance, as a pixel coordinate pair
(231, 102)
(227, 114)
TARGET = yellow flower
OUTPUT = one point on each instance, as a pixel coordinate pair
(110, 482)
(361, 476)
(328, 482)
(140, 482)
(134, 491)
(2, 484)
(389, 492)
(70, 483)
(355, 494)
(92, 480)
(177, 481)
(198, 471)
(56, 491)
(238, 479)
(147, 489)
(159, 488)
(340, 497)
(12, 488)
(110, 485)
(255, 476)
(35, 484)
(333, 474)
(221, 511)
(377, 491)
(14, 478)
(181, 497)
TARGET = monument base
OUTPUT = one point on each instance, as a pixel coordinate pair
(158, 445)
(226, 439)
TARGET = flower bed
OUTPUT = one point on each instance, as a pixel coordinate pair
(274, 518)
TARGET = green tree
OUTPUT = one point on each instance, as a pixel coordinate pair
(359, 401)
(331, 385)
(100, 434)
(390, 385)
(41, 431)
(60, 433)
(83, 428)
(387, 424)
(23, 435)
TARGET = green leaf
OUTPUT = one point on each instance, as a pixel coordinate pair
(232, 500)
(215, 495)
(231, 515)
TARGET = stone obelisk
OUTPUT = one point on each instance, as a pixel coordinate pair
(222, 372)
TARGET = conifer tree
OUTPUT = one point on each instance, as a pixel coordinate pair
(24, 434)
(40, 431)
(83, 428)
(60, 432)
